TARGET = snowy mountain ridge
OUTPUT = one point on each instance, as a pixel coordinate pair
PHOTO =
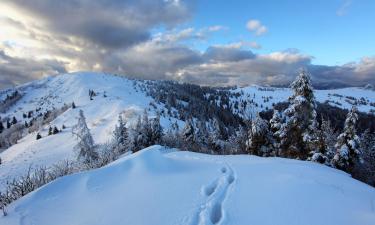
(216, 183)
(128, 97)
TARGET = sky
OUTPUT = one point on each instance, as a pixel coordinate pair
(206, 42)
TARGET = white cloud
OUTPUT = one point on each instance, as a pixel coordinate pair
(257, 27)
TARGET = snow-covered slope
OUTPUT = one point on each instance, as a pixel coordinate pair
(122, 96)
(160, 187)
(263, 98)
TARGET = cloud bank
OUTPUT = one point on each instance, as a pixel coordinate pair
(125, 37)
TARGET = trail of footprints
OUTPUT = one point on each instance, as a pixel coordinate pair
(211, 211)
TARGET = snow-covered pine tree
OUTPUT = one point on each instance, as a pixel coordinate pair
(365, 171)
(326, 140)
(260, 140)
(188, 132)
(172, 136)
(142, 133)
(237, 141)
(50, 131)
(85, 145)
(8, 124)
(121, 136)
(328, 137)
(202, 134)
(298, 135)
(276, 123)
(347, 146)
(156, 130)
(215, 142)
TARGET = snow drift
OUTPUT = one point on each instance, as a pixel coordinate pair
(158, 186)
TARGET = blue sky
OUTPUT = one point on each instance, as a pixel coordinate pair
(334, 32)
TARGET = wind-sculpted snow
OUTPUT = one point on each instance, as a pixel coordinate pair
(160, 187)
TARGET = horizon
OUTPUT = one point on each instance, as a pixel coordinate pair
(205, 43)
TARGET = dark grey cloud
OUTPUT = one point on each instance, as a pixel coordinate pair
(227, 54)
(15, 71)
(106, 23)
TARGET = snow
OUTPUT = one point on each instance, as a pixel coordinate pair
(123, 96)
(161, 186)
(334, 97)
(101, 114)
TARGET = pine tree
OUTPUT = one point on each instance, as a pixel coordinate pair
(50, 131)
(55, 130)
(276, 123)
(73, 105)
(38, 136)
(215, 137)
(298, 135)
(260, 140)
(327, 140)
(188, 132)
(142, 133)
(365, 171)
(202, 134)
(238, 141)
(85, 146)
(14, 120)
(146, 130)
(347, 146)
(121, 136)
(8, 124)
(156, 130)
(1, 127)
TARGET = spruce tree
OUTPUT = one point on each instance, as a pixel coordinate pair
(55, 130)
(298, 135)
(188, 132)
(14, 120)
(156, 130)
(347, 146)
(215, 137)
(260, 140)
(328, 140)
(50, 131)
(120, 136)
(85, 146)
(276, 123)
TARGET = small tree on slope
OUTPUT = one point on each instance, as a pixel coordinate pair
(347, 146)
(85, 146)
(298, 135)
